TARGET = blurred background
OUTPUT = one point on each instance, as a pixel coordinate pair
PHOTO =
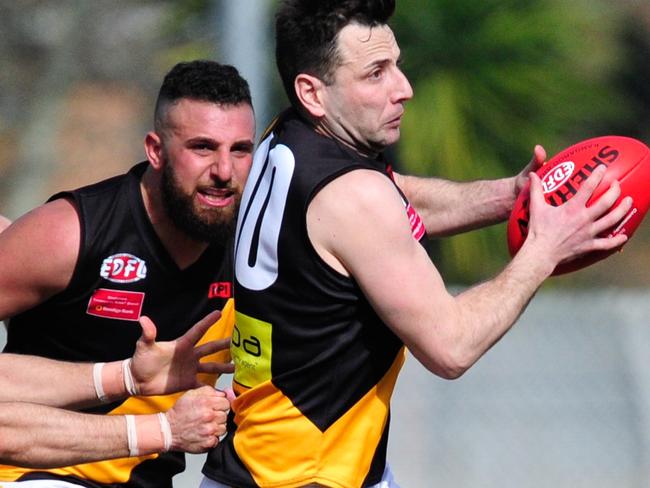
(563, 400)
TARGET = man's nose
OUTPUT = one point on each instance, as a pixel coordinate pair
(221, 168)
(403, 91)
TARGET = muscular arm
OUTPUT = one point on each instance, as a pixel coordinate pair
(38, 253)
(450, 207)
(38, 436)
(34, 435)
(446, 333)
(36, 379)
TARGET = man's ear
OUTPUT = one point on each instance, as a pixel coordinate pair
(153, 149)
(309, 91)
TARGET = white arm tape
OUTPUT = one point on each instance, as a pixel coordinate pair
(132, 435)
(129, 383)
(97, 380)
(166, 430)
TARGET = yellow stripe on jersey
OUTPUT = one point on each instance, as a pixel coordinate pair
(281, 447)
(119, 470)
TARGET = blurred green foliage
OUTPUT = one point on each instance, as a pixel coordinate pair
(492, 79)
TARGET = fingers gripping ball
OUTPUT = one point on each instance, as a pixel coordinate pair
(627, 160)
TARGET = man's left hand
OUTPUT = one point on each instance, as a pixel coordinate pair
(166, 367)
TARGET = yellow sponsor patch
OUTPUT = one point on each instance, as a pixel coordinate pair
(251, 350)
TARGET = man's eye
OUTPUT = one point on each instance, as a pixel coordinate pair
(243, 149)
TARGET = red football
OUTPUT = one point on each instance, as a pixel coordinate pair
(627, 160)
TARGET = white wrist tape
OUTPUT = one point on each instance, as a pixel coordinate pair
(128, 377)
(166, 430)
(97, 381)
(147, 434)
(132, 435)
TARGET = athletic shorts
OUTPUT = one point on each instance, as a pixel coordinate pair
(387, 481)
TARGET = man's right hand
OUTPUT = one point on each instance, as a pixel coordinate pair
(566, 232)
(198, 420)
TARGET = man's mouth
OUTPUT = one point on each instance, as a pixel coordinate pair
(396, 121)
(216, 197)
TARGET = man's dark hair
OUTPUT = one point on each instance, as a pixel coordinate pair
(306, 33)
(201, 80)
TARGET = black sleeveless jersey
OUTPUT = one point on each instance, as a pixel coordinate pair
(123, 271)
(315, 367)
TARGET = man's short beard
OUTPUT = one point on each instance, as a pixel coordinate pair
(215, 226)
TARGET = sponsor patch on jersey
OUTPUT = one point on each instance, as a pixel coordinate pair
(123, 268)
(116, 304)
(220, 289)
(417, 226)
(251, 350)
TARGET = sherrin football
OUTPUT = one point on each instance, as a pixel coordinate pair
(627, 160)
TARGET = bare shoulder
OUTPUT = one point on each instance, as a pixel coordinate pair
(359, 210)
(359, 190)
(52, 224)
(38, 253)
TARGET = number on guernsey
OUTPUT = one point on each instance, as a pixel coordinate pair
(260, 216)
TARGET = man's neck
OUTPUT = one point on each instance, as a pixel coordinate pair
(346, 139)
